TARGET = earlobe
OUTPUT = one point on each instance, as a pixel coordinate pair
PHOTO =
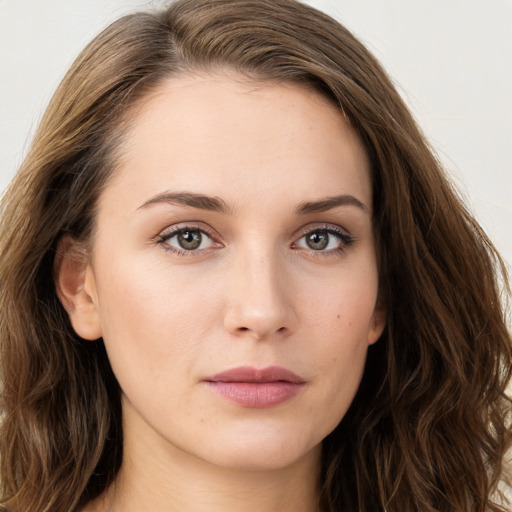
(378, 323)
(76, 288)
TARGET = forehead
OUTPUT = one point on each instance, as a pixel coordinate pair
(228, 136)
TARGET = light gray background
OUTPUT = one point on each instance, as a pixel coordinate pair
(451, 59)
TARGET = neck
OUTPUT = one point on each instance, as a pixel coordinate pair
(162, 478)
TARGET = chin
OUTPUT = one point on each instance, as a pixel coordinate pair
(262, 453)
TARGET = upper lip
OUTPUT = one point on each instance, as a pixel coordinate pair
(250, 374)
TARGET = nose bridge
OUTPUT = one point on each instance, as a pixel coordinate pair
(259, 303)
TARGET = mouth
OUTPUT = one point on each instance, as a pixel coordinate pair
(256, 388)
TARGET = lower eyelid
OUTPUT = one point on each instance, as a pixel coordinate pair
(345, 239)
(338, 233)
(164, 237)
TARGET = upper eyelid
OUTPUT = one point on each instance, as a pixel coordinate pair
(345, 238)
(176, 228)
(172, 230)
(319, 226)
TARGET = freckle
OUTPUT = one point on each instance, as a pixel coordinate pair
(338, 316)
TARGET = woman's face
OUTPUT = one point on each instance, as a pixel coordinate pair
(233, 272)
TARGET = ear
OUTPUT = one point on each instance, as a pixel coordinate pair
(76, 288)
(377, 323)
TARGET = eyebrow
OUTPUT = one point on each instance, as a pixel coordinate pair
(216, 204)
(204, 202)
(329, 203)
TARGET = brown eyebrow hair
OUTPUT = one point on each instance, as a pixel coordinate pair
(330, 202)
(192, 199)
(217, 204)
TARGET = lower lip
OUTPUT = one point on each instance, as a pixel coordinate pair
(258, 395)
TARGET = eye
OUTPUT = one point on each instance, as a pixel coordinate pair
(187, 239)
(325, 239)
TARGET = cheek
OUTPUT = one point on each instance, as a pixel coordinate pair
(341, 326)
(339, 364)
(153, 321)
(343, 304)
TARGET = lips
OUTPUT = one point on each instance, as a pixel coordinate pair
(256, 388)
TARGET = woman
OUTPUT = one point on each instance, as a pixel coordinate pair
(234, 277)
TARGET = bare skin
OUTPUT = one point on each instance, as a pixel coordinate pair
(236, 233)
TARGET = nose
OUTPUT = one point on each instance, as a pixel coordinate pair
(259, 302)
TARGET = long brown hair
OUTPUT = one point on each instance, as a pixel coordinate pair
(431, 422)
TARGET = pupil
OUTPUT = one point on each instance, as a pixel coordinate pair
(318, 240)
(189, 239)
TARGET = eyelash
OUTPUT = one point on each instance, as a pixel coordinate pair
(346, 240)
(163, 239)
